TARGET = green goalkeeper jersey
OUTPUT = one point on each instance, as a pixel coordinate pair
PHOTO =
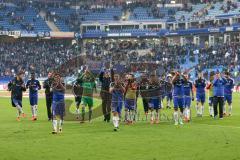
(88, 88)
(88, 84)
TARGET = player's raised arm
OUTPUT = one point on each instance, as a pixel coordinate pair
(101, 75)
(224, 79)
(184, 77)
(28, 84)
(23, 87)
(216, 79)
(175, 77)
(192, 92)
(111, 88)
(39, 85)
(10, 84)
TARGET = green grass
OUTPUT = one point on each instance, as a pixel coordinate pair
(202, 139)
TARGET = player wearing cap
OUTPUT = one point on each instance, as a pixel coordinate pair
(178, 97)
(200, 84)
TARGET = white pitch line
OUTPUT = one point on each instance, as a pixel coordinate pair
(221, 126)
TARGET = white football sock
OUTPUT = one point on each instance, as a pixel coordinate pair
(168, 103)
(224, 108)
(180, 117)
(152, 116)
(131, 115)
(175, 115)
(185, 112)
(157, 116)
(202, 111)
(60, 124)
(35, 111)
(18, 113)
(54, 122)
(230, 109)
(211, 110)
(19, 110)
(188, 113)
(126, 115)
(77, 111)
(117, 121)
(114, 121)
(32, 110)
(197, 109)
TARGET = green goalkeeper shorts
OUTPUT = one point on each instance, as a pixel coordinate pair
(87, 101)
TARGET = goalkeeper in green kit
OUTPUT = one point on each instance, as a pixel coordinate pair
(88, 85)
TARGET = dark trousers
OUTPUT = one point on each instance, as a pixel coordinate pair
(106, 105)
(145, 104)
(49, 105)
(218, 102)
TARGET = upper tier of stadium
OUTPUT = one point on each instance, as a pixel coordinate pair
(39, 17)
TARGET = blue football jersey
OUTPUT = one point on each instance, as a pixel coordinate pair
(178, 87)
(33, 85)
(200, 85)
(228, 86)
(187, 88)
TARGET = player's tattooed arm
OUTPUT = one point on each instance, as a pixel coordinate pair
(192, 92)
(45, 84)
(28, 84)
(62, 85)
(122, 88)
(39, 86)
(176, 76)
(10, 84)
(111, 88)
(23, 87)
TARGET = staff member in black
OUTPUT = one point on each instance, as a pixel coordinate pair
(106, 77)
(218, 93)
(49, 94)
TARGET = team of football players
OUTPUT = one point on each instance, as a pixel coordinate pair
(117, 91)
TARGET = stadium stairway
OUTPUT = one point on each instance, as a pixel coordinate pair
(50, 24)
(189, 65)
(127, 15)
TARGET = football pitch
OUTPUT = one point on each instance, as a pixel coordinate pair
(202, 139)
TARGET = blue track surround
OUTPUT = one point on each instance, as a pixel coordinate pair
(133, 33)
(162, 33)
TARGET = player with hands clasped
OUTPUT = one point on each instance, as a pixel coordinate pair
(178, 97)
(188, 97)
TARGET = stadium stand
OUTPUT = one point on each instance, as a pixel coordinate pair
(168, 56)
(21, 18)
